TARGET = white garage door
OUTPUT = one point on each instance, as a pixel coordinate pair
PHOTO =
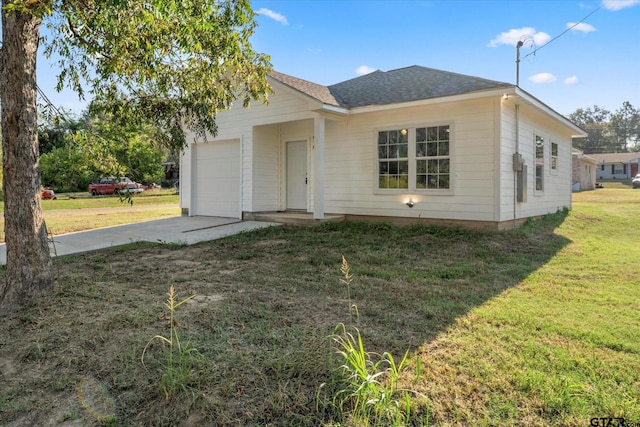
(217, 183)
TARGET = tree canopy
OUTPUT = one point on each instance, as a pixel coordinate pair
(172, 64)
(76, 152)
(617, 132)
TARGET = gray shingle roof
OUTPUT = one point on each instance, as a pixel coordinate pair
(314, 90)
(615, 157)
(391, 87)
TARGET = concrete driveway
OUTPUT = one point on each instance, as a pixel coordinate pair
(181, 229)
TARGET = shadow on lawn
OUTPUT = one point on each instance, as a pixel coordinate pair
(410, 283)
(268, 301)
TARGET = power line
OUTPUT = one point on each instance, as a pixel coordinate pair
(50, 104)
(564, 32)
(47, 101)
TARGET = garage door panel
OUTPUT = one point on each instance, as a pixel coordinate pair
(217, 189)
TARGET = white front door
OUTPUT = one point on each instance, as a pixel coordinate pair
(297, 175)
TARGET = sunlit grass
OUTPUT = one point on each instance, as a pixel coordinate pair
(79, 212)
(561, 347)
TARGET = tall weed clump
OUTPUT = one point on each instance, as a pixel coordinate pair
(366, 391)
(178, 357)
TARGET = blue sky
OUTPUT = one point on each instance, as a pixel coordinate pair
(597, 62)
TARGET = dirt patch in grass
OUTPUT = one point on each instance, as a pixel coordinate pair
(266, 303)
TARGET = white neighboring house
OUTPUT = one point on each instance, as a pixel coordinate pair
(584, 171)
(616, 165)
(403, 145)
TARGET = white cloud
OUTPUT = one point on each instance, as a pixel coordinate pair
(273, 15)
(585, 28)
(543, 78)
(364, 69)
(514, 35)
(619, 4)
(573, 80)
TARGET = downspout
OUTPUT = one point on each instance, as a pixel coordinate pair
(241, 207)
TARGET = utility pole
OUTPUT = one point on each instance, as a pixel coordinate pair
(518, 46)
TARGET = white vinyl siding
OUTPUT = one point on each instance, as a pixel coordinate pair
(557, 186)
(481, 184)
(352, 170)
(260, 152)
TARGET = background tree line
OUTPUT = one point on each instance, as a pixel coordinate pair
(608, 132)
(77, 151)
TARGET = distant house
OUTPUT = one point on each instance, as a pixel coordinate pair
(616, 165)
(583, 172)
(412, 144)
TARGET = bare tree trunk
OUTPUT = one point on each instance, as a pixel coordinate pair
(29, 271)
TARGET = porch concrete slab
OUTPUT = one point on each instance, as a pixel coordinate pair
(293, 217)
(181, 230)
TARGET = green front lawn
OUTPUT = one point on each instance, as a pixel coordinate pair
(562, 344)
(537, 326)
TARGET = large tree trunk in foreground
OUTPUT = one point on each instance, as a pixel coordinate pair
(29, 271)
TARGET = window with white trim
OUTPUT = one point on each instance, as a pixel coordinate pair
(393, 159)
(539, 150)
(432, 158)
(416, 159)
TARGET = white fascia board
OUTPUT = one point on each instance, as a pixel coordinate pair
(577, 131)
(421, 102)
(509, 91)
(588, 159)
(334, 110)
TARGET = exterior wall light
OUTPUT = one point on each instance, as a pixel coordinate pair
(410, 203)
(505, 96)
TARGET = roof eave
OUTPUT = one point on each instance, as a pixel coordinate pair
(334, 110)
(431, 101)
(577, 132)
(297, 91)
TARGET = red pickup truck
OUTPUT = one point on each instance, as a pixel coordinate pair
(111, 185)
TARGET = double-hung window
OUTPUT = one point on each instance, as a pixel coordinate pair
(618, 169)
(416, 159)
(393, 159)
(433, 164)
(554, 157)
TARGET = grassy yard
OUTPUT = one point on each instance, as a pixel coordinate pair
(535, 326)
(78, 212)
